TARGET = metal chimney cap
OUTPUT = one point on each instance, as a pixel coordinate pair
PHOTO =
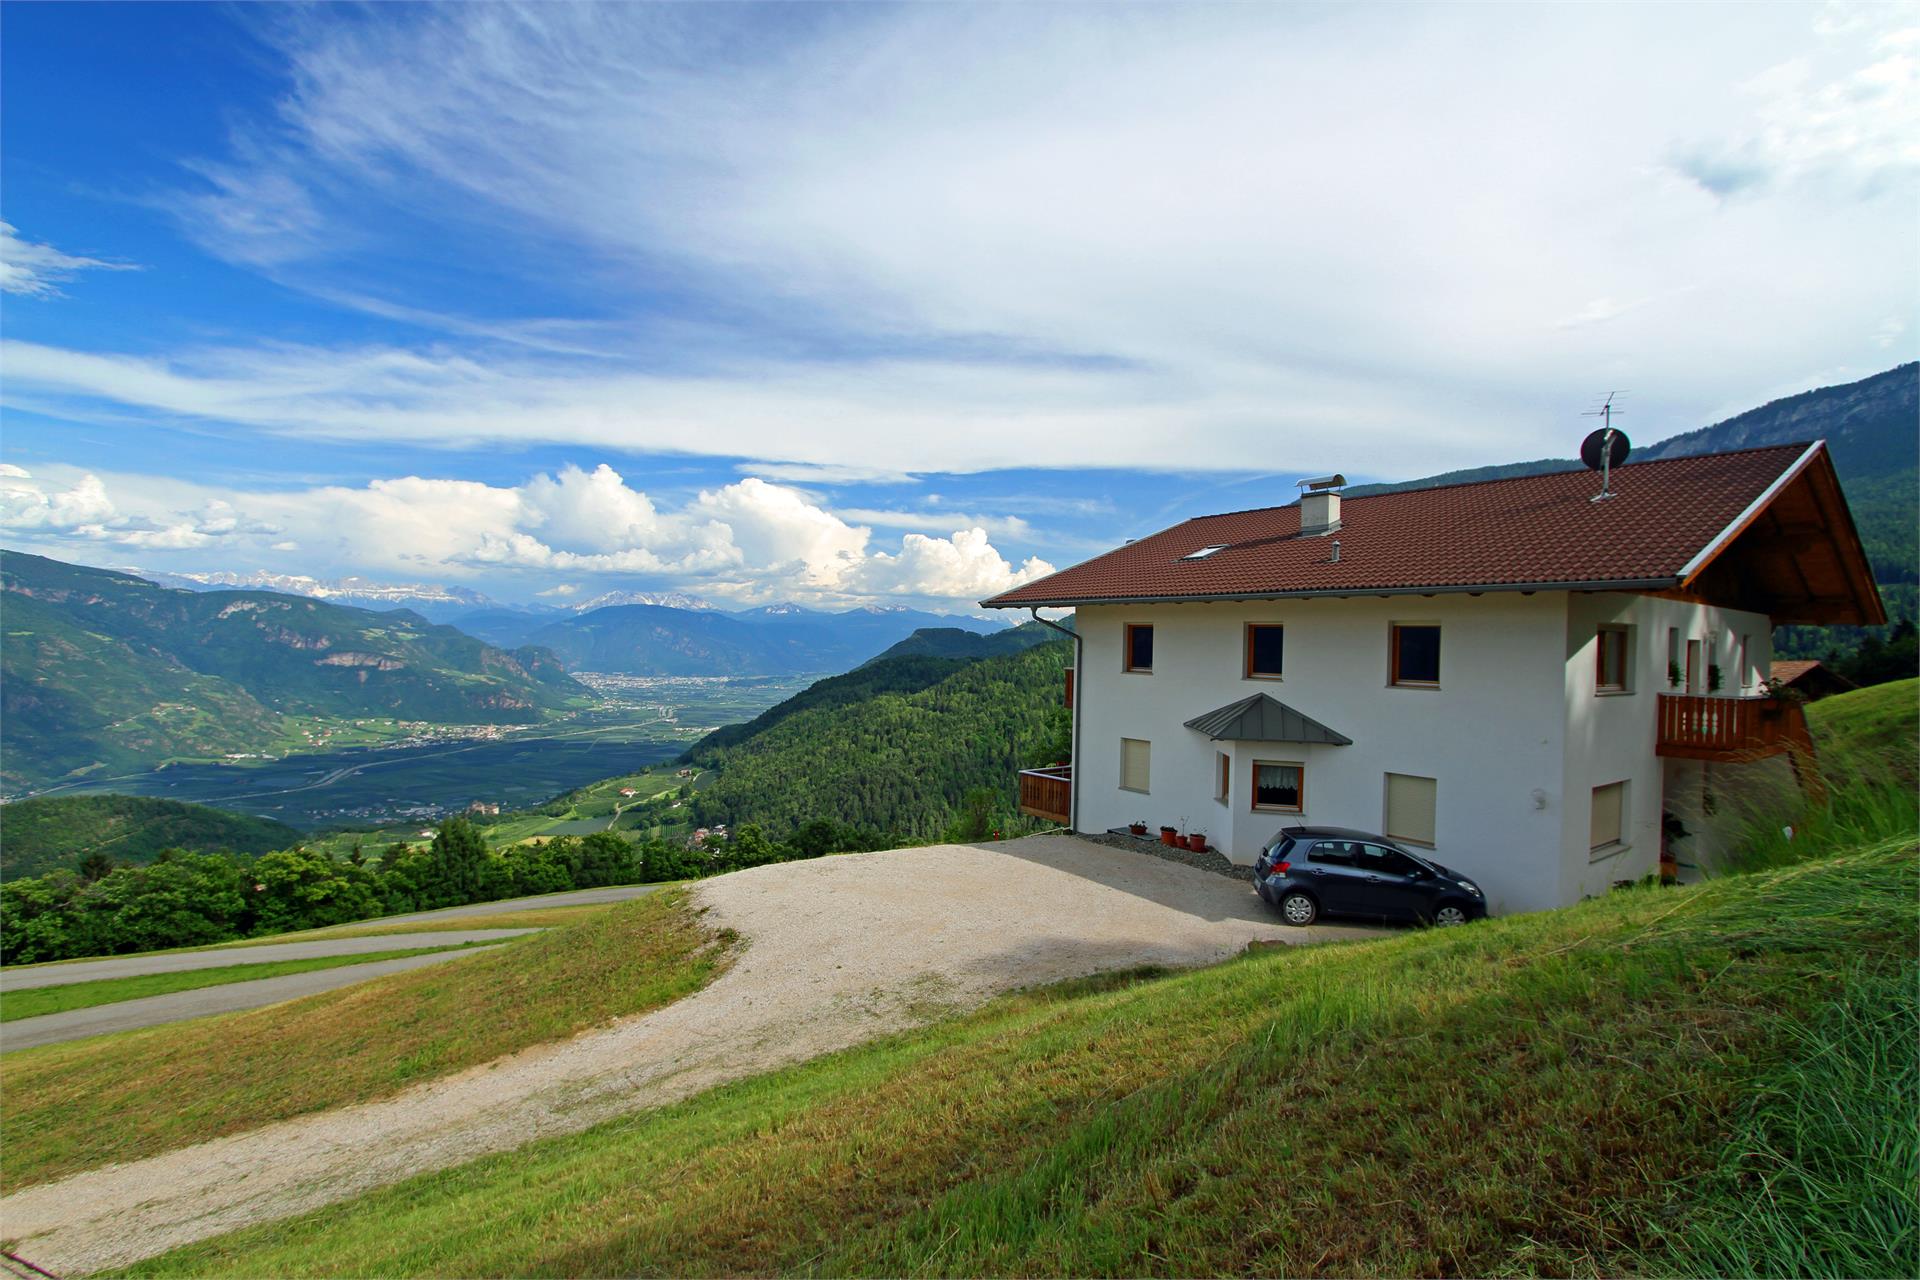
(1318, 483)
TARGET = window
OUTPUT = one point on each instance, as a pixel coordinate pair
(1279, 787)
(1416, 655)
(1610, 663)
(1746, 671)
(1609, 811)
(1410, 805)
(1264, 646)
(1223, 775)
(1333, 853)
(1674, 673)
(1388, 862)
(1204, 552)
(1136, 760)
(1139, 647)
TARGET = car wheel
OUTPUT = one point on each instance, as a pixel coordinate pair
(1449, 913)
(1298, 909)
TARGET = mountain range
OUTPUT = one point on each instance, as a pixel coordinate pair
(639, 639)
(105, 670)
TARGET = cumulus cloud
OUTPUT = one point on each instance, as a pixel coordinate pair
(749, 541)
(37, 270)
(27, 504)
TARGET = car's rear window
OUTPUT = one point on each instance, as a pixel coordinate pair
(1281, 847)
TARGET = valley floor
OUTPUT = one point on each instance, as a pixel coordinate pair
(839, 951)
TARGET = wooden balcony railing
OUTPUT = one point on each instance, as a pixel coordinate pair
(1697, 727)
(1047, 793)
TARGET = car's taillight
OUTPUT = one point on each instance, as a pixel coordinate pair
(1280, 868)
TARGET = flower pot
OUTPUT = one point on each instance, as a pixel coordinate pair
(1197, 843)
(1169, 837)
(1138, 828)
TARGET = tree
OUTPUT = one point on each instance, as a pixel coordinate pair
(96, 866)
(605, 858)
(305, 889)
(458, 859)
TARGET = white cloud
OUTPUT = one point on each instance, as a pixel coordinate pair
(965, 565)
(749, 541)
(1199, 238)
(27, 504)
(937, 520)
(37, 270)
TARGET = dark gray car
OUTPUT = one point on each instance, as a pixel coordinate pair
(1307, 872)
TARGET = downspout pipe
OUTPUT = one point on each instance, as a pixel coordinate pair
(1079, 696)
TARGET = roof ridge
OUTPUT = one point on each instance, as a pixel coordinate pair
(1800, 445)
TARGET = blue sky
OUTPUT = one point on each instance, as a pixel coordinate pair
(893, 303)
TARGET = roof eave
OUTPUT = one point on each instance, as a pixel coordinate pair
(1666, 583)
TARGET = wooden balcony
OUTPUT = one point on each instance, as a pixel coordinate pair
(1047, 793)
(1705, 727)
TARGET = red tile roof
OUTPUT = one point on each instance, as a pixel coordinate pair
(1530, 531)
(1786, 671)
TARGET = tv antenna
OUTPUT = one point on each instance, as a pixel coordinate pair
(1607, 447)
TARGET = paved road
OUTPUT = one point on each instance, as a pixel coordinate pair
(59, 975)
(181, 1005)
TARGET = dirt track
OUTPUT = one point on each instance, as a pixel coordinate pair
(839, 950)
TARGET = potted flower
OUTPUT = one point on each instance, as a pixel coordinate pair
(1170, 836)
(1673, 675)
(1197, 841)
(1138, 826)
(1713, 678)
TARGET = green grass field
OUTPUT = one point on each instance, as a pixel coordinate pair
(1711, 1080)
(90, 1102)
(35, 1002)
(1572, 1092)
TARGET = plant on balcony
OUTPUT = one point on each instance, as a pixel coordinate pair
(1713, 677)
(1673, 675)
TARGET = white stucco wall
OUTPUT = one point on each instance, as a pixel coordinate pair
(1492, 734)
(1515, 736)
(1610, 737)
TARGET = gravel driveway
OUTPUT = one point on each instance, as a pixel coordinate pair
(838, 950)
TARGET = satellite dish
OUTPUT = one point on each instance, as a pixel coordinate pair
(1604, 449)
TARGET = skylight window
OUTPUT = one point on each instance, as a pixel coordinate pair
(1204, 552)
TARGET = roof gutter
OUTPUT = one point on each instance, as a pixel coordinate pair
(1604, 584)
(1073, 737)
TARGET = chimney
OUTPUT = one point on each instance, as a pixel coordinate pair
(1320, 505)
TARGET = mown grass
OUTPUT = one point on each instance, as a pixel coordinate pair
(87, 1103)
(1562, 1093)
(1869, 733)
(34, 1002)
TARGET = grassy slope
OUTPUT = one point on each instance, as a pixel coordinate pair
(90, 1102)
(36, 1002)
(1868, 731)
(1539, 1094)
(57, 831)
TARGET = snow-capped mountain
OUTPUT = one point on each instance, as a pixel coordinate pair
(659, 599)
(424, 598)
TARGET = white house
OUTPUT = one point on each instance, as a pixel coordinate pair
(1531, 680)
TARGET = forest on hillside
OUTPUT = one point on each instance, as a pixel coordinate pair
(903, 762)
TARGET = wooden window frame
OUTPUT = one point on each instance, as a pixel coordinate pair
(1253, 787)
(1246, 669)
(1601, 635)
(1126, 649)
(1393, 656)
(1223, 781)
